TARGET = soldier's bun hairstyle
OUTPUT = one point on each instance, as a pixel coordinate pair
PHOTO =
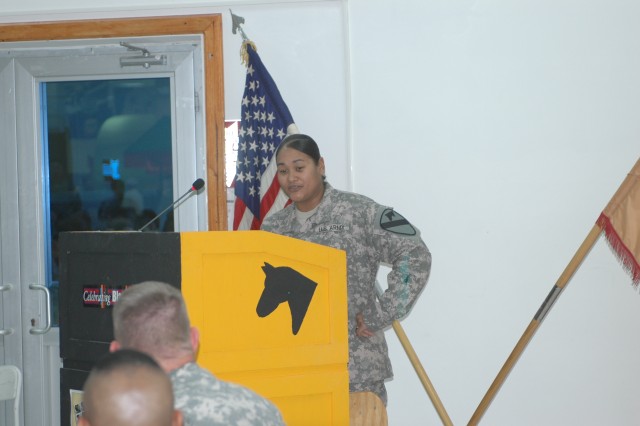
(302, 143)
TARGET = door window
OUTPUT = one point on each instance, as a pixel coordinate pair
(109, 162)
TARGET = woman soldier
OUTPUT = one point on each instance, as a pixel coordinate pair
(371, 234)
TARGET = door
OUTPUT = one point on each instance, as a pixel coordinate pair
(42, 151)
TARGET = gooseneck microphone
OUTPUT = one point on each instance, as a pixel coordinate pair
(197, 185)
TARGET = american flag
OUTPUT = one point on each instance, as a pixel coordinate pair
(265, 121)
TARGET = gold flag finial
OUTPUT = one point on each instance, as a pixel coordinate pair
(244, 55)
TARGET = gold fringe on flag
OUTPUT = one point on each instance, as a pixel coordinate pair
(244, 56)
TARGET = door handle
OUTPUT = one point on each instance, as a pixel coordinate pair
(47, 297)
(6, 331)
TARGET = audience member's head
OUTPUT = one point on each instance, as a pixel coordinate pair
(152, 317)
(129, 388)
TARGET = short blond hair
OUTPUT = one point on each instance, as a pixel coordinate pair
(152, 317)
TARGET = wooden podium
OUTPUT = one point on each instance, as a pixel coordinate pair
(271, 310)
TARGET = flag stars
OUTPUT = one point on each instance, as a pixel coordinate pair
(261, 130)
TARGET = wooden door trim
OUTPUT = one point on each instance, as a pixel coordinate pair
(210, 27)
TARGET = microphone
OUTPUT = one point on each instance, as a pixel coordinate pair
(197, 185)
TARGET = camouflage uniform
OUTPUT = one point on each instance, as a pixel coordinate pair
(371, 234)
(205, 400)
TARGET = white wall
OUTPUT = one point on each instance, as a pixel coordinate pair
(501, 129)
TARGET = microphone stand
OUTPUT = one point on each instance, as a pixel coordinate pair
(165, 210)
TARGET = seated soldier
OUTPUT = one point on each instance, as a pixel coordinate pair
(152, 317)
(128, 388)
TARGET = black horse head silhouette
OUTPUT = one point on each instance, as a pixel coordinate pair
(283, 284)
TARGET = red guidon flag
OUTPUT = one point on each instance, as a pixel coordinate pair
(620, 222)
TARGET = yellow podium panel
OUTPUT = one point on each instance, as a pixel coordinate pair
(272, 315)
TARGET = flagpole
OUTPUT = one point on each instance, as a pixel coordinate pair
(526, 337)
(417, 365)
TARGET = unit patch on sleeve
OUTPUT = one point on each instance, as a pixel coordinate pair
(392, 221)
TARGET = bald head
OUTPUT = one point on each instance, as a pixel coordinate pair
(128, 388)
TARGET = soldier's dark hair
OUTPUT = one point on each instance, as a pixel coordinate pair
(127, 372)
(302, 143)
(125, 358)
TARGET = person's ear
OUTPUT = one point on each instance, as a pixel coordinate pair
(82, 421)
(321, 166)
(194, 335)
(177, 419)
(114, 346)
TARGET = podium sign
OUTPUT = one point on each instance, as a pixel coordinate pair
(271, 310)
(272, 315)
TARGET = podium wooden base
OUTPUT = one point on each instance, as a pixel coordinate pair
(366, 409)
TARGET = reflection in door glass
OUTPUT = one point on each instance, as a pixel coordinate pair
(109, 161)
